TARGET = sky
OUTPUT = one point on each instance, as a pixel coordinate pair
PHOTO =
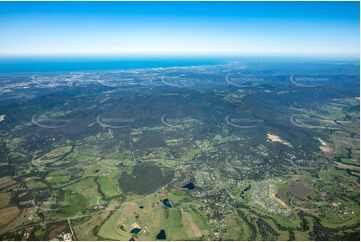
(131, 28)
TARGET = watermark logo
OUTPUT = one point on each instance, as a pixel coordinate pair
(203, 145)
(178, 82)
(41, 81)
(308, 81)
(186, 122)
(313, 122)
(172, 123)
(69, 79)
(243, 123)
(114, 123)
(241, 80)
(49, 123)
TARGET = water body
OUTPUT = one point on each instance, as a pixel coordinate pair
(189, 186)
(166, 203)
(99, 63)
(135, 230)
(63, 64)
(161, 234)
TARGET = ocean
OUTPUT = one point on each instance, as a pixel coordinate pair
(63, 64)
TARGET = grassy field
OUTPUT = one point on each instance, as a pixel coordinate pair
(35, 183)
(110, 187)
(4, 199)
(58, 177)
(88, 189)
(108, 230)
(72, 204)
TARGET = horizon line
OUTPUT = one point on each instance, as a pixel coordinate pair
(184, 53)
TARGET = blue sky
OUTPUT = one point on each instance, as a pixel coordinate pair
(111, 28)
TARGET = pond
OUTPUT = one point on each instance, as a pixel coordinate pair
(189, 186)
(166, 203)
(135, 230)
(161, 234)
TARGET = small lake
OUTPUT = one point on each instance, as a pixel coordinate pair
(161, 234)
(166, 203)
(189, 186)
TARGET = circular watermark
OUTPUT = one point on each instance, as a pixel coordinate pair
(298, 204)
(114, 123)
(185, 122)
(313, 123)
(49, 123)
(308, 81)
(335, 206)
(74, 78)
(40, 81)
(172, 123)
(242, 80)
(243, 123)
(177, 81)
(50, 81)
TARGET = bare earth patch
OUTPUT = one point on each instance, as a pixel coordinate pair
(56, 231)
(346, 166)
(129, 210)
(4, 199)
(6, 182)
(276, 138)
(326, 149)
(192, 229)
(272, 192)
(8, 214)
